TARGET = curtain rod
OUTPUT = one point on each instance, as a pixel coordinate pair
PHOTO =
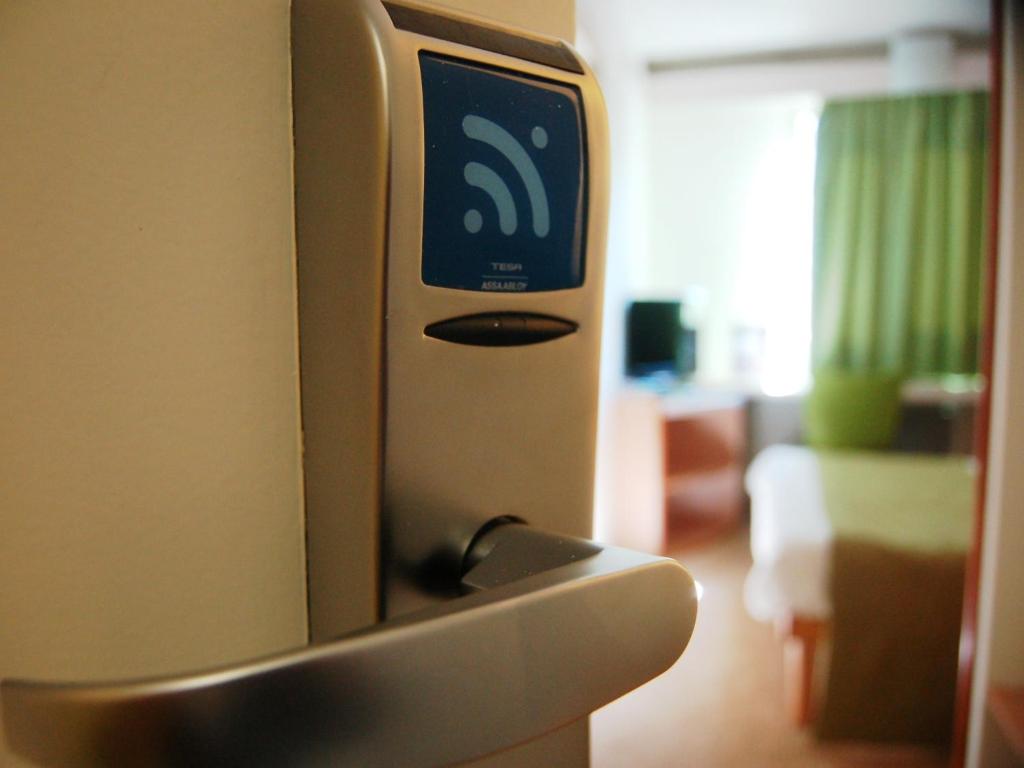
(965, 43)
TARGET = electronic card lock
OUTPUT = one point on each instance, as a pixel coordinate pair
(451, 206)
(451, 200)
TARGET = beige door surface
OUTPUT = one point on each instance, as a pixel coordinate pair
(151, 513)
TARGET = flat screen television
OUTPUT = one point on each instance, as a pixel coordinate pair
(657, 342)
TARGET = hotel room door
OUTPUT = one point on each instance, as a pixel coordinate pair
(192, 575)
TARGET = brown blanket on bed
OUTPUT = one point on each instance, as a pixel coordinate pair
(895, 636)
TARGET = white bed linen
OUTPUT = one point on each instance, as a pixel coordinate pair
(790, 535)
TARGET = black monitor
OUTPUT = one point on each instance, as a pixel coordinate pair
(657, 343)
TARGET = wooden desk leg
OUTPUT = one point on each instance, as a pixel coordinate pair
(800, 638)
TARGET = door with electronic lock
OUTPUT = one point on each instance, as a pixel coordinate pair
(450, 197)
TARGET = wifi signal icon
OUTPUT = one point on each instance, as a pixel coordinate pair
(485, 178)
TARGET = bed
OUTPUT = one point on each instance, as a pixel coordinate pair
(858, 561)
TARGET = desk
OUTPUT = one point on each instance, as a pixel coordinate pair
(671, 457)
(704, 439)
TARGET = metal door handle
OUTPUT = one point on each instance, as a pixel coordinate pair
(552, 629)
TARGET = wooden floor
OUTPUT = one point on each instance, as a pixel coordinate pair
(721, 704)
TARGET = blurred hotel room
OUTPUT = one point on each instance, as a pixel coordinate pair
(793, 395)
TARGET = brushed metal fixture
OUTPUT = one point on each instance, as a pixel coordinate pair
(551, 629)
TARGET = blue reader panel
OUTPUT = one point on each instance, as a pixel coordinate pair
(504, 198)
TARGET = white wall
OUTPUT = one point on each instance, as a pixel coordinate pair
(1000, 641)
(730, 188)
(623, 78)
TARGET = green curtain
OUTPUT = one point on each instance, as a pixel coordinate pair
(900, 194)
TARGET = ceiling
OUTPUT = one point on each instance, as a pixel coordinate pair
(658, 30)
